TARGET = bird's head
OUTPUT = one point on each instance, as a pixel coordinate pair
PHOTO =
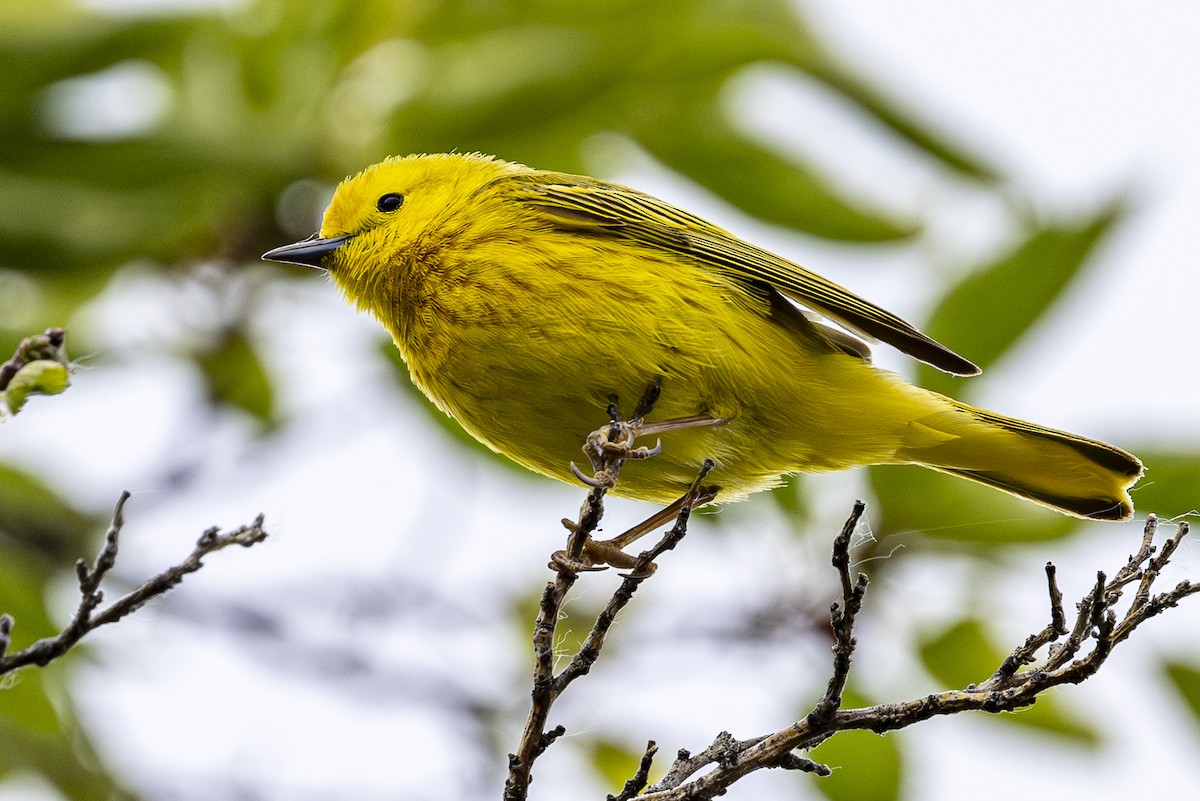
(386, 212)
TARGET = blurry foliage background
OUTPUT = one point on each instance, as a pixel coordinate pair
(153, 155)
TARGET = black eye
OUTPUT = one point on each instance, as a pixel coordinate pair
(390, 202)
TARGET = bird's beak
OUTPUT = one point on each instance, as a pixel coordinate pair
(308, 253)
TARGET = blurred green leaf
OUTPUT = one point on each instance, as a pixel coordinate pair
(22, 596)
(1171, 486)
(944, 507)
(24, 704)
(1185, 677)
(573, 627)
(25, 700)
(613, 762)
(762, 183)
(866, 766)
(68, 763)
(901, 121)
(237, 377)
(36, 729)
(960, 655)
(965, 653)
(36, 518)
(994, 306)
(1051, 715)
(793, 501)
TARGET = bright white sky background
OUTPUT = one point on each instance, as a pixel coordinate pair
(1075, 99)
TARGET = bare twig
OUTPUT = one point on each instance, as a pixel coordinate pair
(1007, 689)
(1025, 654)
(589, 652)
(640, 779)
(91, 596)
(842, 618)
(608, 449)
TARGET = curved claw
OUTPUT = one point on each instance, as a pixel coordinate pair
(591, 481)
(644, 452)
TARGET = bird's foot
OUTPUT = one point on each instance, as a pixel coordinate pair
(601, 554)
(608, 448)
(612, 445)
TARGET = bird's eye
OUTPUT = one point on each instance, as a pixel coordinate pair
(390, 202)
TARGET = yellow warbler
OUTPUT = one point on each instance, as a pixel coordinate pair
(523, 301)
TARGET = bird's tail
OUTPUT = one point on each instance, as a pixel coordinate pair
(1069, 473)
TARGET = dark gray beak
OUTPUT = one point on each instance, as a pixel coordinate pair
(308, 253)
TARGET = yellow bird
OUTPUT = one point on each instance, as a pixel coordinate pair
(524, 301)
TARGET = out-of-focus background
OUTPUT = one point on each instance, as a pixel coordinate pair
(1022, 179)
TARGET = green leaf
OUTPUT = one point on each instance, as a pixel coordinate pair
(761, 183)
(41, 377)
(792, 500)
(1171, 486)
(25, 704)
(900, 121)
(237, 377)
(1186, 679)
(34, 517)
(38, 729)
(948, 508)
(615, 763)
(965, 653)
(961, 654)
(1051, 715)
(22, 596)
(66, 761)
(866, 766)
(996, 305)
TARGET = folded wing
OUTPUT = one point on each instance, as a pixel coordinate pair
(589, 206)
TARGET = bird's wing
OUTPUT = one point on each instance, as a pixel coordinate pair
(586, 205)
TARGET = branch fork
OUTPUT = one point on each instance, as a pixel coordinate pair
(608, 449)
(91, 596)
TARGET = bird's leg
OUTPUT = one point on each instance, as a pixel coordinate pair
(611, 551)
(608, 448)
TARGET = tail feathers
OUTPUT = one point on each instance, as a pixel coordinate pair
(1109, 506)
(1069, 473)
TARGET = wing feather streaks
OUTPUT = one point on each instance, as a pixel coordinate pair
(588, 205)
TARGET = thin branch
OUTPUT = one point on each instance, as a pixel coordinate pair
(842, 618)
(589, 652)
(608, 449)
(91, 596)
(640, 779)
(723, 751)
(1025, 654)
(1097, 621)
